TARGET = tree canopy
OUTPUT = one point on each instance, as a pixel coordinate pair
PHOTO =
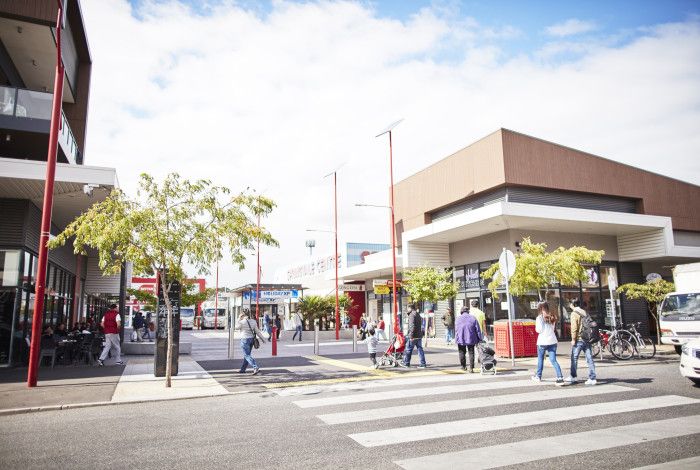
(653, 292)
(428, 284)
(536, 269)
(318, 306)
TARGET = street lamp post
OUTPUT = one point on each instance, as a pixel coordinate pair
(337, 297)
(40, 289)
(216, 298)
(393, 223)
(257, 288)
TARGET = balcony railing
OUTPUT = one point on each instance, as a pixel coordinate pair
(30, 104)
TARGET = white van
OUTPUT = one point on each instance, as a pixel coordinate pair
(212, 320)
(679, 313)
(187, 318)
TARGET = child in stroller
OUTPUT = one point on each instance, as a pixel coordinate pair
(394, 353)
(486, 358)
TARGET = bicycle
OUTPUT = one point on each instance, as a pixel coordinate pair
(618, 346)
(644, 347)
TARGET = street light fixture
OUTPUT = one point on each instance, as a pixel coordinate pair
(337, 299)
(393, 223)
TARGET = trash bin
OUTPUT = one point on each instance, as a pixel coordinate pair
(524, 338)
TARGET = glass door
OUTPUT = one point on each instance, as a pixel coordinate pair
(7, 311)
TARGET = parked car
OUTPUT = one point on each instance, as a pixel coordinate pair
(212, 320)
(690, 361)
(187, 318)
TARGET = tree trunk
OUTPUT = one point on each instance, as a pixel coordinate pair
(658, 324)
(169, 355)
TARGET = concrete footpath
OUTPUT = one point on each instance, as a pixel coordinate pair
(65, 387)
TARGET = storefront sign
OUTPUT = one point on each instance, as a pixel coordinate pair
(267, 295)
(471, 278)
(381, 289)
(351, 287)
(653, 277)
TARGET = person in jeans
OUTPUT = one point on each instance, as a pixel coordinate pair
(546, 341)
(578, 345)
(448, 319)
(372, 342)
(415, 338)
(137, 325)
(111, 323)
(467, 335)
(297, 325)
(249, 330)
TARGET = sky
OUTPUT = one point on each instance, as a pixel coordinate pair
(274, 95)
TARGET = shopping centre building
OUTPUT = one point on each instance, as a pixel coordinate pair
(462, 211)
(75, 286)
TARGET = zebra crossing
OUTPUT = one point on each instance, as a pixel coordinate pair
(366, 411)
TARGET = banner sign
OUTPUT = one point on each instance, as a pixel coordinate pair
(272, 295)
(351, 287)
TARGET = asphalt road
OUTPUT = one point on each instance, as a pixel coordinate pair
(282, 429)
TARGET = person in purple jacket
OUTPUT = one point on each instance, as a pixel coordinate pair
(467, 335)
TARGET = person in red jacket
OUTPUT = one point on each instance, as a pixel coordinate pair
(111, 323)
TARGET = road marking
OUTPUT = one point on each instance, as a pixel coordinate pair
(467, 403)
(682, 464)
(515, 453)
(349, 365)
(307, 345)
(493, 423)
(414, 392)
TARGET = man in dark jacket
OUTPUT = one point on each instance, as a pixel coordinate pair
(137, 325)
(468, 334)
(448, 319)
(415, 335)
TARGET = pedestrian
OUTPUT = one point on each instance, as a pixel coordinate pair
(249, 332)
(372, 342)
(480, 316)
(546, 341)
(137, 326)
(147, 326)
(448, 319)
(579, 321)
(278, 325)
(267, 325)
(298, 325)
(467, 335)
(415, 336)
(380, 329)
(111, 323)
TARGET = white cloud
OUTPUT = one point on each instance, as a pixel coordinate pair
(276, 101)
(570, 27)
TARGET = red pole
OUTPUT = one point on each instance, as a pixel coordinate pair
(257, 289)
(40, 288)
(274, 340)
(397, 327)
(216, 298)
(337, 300)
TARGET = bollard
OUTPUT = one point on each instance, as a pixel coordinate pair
(354, 338)
(274, 340)
(231, 342)
(316, 345)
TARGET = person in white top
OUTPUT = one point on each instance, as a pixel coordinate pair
(546, 341)
(298, 325)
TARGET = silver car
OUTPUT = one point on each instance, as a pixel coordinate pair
(187, 318)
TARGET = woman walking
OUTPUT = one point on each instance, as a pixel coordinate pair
(249, 330)
(546, 341)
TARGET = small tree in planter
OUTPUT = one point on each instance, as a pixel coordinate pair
(428, 284)
(653, 292)
(313, 307)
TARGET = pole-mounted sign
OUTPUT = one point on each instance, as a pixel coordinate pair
(506, 264)
(162, 329)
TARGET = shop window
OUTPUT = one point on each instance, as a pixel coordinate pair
(9, 267)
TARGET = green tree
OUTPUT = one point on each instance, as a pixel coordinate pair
(144, 297)
(318, 307)
(191, 294)
(653, 292)
(538, 270)
(428, 284)
(167, 225)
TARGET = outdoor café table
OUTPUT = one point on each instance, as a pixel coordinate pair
(67, 349)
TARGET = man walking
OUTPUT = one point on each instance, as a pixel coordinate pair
(137, 326)
(297, 325)
(111, 323)
(448, 319)
(480, 316)
(415, 336)
(468, 335)
(579, 321)
(147, 327)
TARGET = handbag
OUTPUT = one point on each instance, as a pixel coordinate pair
(256, 342)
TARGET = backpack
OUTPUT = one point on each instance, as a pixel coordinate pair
(589, 330)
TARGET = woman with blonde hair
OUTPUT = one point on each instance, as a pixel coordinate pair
(546, 341)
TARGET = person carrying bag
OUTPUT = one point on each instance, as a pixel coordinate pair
(251, 336)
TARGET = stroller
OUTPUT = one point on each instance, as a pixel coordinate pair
(486, 358)
(394, 353)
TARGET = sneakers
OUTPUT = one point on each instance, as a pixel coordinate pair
(534, 378)
(256, 370)
(376, 366)
(119, 363)
(100, 363)
(403, 364)
(422, 366)
(470, 370)
(570, 380)
(591, 382)
(559, 381)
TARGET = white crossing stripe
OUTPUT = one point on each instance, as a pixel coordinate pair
(413, 380)
(468, 403)
(682, 464)
(493, 423)
(414, 392)
(558, 446)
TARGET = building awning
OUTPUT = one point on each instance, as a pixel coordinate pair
(376, 266)
(24, 179)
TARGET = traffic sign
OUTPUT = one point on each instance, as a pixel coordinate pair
(506, 263)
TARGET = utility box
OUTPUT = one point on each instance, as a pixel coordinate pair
(524, 338)
(161, 356)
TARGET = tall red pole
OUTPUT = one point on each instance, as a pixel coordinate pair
(216, 298)
(337, 300)
(47, 208)
(397, 327)
(257, 289)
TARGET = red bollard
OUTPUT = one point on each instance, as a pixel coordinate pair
(274, 340)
